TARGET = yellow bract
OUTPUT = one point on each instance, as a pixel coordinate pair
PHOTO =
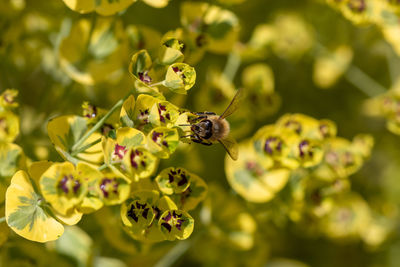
(24, 213)
(250, 178)
(102, 7)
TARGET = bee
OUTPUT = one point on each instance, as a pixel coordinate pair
(208, 128)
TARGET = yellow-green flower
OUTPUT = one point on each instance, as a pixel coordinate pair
(7, 99)
(163, 141)
(253, 177)
(163, 113)
(180, 77)
(192, 196)
(9, 126)
(139, 163)
(176, 224)
(102, 7)
(65, 186)
(171, 51)
(173, 180)
(112, 189)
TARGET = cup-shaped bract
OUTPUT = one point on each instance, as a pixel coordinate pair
(137, 212)
(157, 3)
(163, 113)
(65, 186)
(8, 99)
(102, 7)
(258, 80)
(363, 144)
(307, 127)
(271, 143)
(9, 126)
(176, 224)
(163, 141)
(35, 171)
(126, 115)
(340, 160)
(309, 153)
(293, 36)
(171, 51)
(213, 27)
(193, 195)
(127, 138)
(173, 180)
(139, 163)
(141, 113)
(140, 66)
(112, 189)
(179, 78)
(253, 177)
(357, 11)
(348, 219)
(26, 214)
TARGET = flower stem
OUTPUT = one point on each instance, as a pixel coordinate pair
(98, 124)
(102, 167)
(362, 81)
(81, 149)
(232, 65)
(157, 84)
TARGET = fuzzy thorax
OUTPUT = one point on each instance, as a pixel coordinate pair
(220, 128)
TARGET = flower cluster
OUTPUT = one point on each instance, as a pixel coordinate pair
(384, 14)
(108, 166)
(387, 106)
(303, 158)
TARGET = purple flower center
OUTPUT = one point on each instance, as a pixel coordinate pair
(172, 220)
(137, 157)
(156, 137)
(143, 117)
(162, 112)
(109, 185)
(119, 151)
(137, 210)
(178, 176)
(144, 77)
(272, 144)
(305, 149)
(295, 125)
(68, 183)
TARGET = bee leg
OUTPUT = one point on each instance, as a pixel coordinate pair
(199, 141)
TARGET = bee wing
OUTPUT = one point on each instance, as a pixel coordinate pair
(233, 105)
(230, 146)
